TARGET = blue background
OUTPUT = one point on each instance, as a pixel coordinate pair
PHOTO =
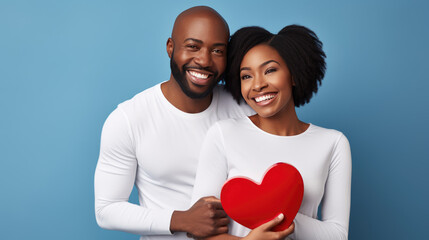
(65, 65)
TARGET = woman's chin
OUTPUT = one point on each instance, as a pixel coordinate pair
(266, 114)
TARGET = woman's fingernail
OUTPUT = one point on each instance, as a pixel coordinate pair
(280, 216)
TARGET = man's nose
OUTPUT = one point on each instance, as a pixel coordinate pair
(203, 58)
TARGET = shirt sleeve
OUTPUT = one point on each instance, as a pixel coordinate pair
(114, 180)
(335, 209)
(212, 167)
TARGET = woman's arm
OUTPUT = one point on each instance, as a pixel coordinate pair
(335, 209)
(262, 232)
(212, 172)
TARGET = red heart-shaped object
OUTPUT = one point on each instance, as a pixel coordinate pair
(252, 204)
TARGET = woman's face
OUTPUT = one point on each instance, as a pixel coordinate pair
(266, 83)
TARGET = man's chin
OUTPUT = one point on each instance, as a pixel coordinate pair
(194, 90)
(198, 95)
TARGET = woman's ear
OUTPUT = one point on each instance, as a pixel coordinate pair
(170, 47)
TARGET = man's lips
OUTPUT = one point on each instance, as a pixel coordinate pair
(199, 77)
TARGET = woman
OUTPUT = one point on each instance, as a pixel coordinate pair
(274, 74)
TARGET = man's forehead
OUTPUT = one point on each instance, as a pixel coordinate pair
(200, 22)
(201, 29)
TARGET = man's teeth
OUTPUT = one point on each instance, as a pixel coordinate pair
(198, 75)
(264, 97)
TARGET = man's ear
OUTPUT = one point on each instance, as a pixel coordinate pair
(170, 47)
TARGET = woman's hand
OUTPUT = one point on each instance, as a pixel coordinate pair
(264, 232)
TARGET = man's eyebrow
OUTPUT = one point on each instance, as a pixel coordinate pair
(263, 64)
(219, 44)
(201, 42)
(193, 39)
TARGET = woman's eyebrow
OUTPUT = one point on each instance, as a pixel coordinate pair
(244, 68)
(263, 64)
(269, 61)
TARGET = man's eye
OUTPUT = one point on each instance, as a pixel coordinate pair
(217, 51)
(192, 46)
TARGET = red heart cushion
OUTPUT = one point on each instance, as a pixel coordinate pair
(252, 204)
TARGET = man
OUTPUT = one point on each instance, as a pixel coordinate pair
(153, 140)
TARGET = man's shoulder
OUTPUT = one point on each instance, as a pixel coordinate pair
(224, 95)
(141, 96)
(140, 99)
(136, 109)
(229, 125)
(227, 103)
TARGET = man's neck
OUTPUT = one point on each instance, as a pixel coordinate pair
(174, 94)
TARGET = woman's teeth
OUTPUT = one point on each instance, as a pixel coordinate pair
(264, 97)
(199, 75)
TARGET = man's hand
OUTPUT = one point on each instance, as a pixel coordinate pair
(205, 218)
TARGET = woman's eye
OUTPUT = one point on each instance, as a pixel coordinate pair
(244, 77)
(270, 70)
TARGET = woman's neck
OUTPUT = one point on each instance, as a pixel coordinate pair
(284, 123)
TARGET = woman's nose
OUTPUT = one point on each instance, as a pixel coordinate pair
(259, 83)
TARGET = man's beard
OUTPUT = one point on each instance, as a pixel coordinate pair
(180, 77)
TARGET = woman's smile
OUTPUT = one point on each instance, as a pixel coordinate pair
(266, 83)
(264, 99)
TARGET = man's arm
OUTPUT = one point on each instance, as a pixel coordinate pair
(113, 182)
(205, 218)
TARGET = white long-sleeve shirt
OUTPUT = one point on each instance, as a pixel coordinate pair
(148, 142)
(236, 147)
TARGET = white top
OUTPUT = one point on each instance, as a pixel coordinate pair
(236, 147)
(148, 142)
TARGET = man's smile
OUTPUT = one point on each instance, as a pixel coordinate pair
(199, 78)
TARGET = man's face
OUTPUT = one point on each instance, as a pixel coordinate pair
(198, 55)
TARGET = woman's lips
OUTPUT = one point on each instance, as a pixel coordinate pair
(264, 99)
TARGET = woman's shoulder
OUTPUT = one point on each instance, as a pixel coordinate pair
(326, 133)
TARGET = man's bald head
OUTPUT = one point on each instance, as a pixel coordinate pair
(197, 50)
(198, 13)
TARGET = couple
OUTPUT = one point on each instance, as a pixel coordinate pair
(158, 139)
